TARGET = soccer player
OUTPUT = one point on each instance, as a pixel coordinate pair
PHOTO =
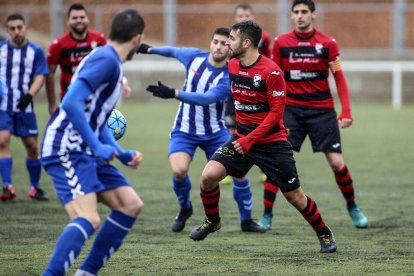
(77, 149)
(260, 138)
(68, 50)
(306, 56)
(23, 69)
(199, 121)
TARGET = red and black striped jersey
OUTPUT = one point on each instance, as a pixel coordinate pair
(304, 59)
(68, 52)
(259, 100)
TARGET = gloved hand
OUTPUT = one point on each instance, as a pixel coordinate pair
(161, 91)
(143, 48)
(24, 101)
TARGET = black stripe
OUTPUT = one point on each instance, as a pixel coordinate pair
(344, 184)
(76, 52)
(314, 96)
(303, 52)
(292, 76)
(67, 69)
(246, 129)
(343, 173)
(247, 83)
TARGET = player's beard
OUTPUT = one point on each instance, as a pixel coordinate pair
(220, 58)
(237, 52)
(79, 31)
(19, 40)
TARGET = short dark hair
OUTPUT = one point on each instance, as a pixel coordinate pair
(244, 7)
(76, 7)
(222, 31)
(309, 3)
(125, 25)
(15, 16)
(249, 29)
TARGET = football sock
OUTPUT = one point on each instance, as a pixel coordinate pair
(6, 165)
(107, 241)
(210, 200)
(313, 217)
(269, 196)
(345, 184)
(242, 194)
(68, 246)
(182, 191)
(34, 168)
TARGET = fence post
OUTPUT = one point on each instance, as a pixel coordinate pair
(396, 85)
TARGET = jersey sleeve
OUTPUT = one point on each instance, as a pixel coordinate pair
(333, 50)
(53, 53)
(41, 67)
(99, 69)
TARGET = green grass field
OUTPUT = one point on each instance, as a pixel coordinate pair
(378, 149)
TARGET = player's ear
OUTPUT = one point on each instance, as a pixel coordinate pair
(137, 39)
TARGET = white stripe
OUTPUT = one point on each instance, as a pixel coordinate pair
(77, 225)
(118, 225)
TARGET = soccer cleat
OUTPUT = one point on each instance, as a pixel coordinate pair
(37, 193)
(358, 218)
(200, 232)
(266, 221)
(328, 242)
(178, 223)
(263, 177)
(8, 193)
(251, 226)
(227, 180)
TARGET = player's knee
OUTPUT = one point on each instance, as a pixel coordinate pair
(180, 173)
(131, 206)
(94, 219)
(4, 143)
(337, 164)
(298, 200)
(209, 181)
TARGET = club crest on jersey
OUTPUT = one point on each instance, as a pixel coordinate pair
(318, 48)
(256, 80)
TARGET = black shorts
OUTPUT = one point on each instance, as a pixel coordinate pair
(274, 159)
(320, 123)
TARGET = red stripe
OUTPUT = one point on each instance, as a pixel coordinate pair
(212, 211)
(270, 187)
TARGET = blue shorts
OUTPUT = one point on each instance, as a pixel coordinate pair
(20, 124)
(184, 142)
(320, 124)
(81, 174)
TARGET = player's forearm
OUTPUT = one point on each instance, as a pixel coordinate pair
(165, 51)
(203, 99)
(50, 89)
(36, 85)
(343, 91)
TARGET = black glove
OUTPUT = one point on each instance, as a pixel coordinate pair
(143, 48)
(24, 101)
(161, 91)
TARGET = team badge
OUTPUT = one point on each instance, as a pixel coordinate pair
(256, 80)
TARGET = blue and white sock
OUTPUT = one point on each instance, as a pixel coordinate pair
(34, 168)
(107, 241)
(6, 165)
(68, 246)
(242, 194)
(182, 191)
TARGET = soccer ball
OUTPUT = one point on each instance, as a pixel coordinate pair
(117, 124)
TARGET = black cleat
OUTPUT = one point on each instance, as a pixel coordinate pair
(178, 223)
(202, 231)
(251, 226)
(37, 193)
(328, 243)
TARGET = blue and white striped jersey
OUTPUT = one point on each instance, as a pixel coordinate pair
(102, 71)
(200, 77)
(18, 67)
